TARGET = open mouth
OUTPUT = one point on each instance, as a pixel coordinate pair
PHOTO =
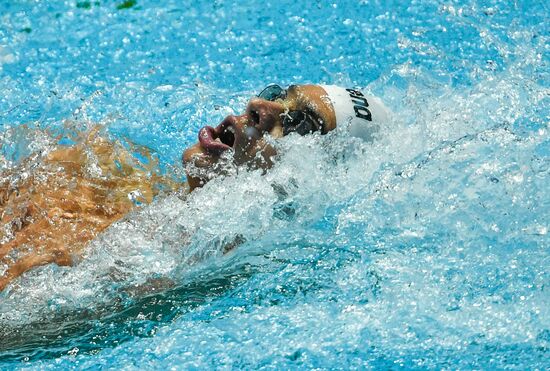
(227, 136)
(219, 139)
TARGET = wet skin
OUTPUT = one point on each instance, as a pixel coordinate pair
(50, 214)
(41, 213)
(245, 136)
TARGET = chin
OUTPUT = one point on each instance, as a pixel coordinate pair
(202, 165)
(196, 158)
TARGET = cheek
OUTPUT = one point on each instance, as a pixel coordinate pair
(262, 155)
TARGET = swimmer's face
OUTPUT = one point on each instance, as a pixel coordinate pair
(244, 139)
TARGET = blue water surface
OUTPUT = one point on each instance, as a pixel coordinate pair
(426, 249)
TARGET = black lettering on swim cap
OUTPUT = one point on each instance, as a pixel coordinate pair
(360, 101)
(355, 93)
(362, 112)
(360, 104)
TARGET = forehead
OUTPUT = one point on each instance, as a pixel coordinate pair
(314, 99)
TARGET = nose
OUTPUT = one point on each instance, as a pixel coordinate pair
(264, 115)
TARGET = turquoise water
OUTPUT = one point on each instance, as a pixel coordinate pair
(426, 249)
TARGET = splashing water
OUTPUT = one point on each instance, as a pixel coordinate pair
(428, 248)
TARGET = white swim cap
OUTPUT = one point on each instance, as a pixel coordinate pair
(360, 114)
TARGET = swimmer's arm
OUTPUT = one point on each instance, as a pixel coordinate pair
(31, 261)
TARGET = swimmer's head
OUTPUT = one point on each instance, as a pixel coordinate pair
(300, 109)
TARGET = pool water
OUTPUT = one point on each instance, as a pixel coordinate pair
(427, 249)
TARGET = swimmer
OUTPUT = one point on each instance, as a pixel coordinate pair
(277, 112)
(51, 208)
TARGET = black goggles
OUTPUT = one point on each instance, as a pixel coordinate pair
(272, 93)
(298, 121)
